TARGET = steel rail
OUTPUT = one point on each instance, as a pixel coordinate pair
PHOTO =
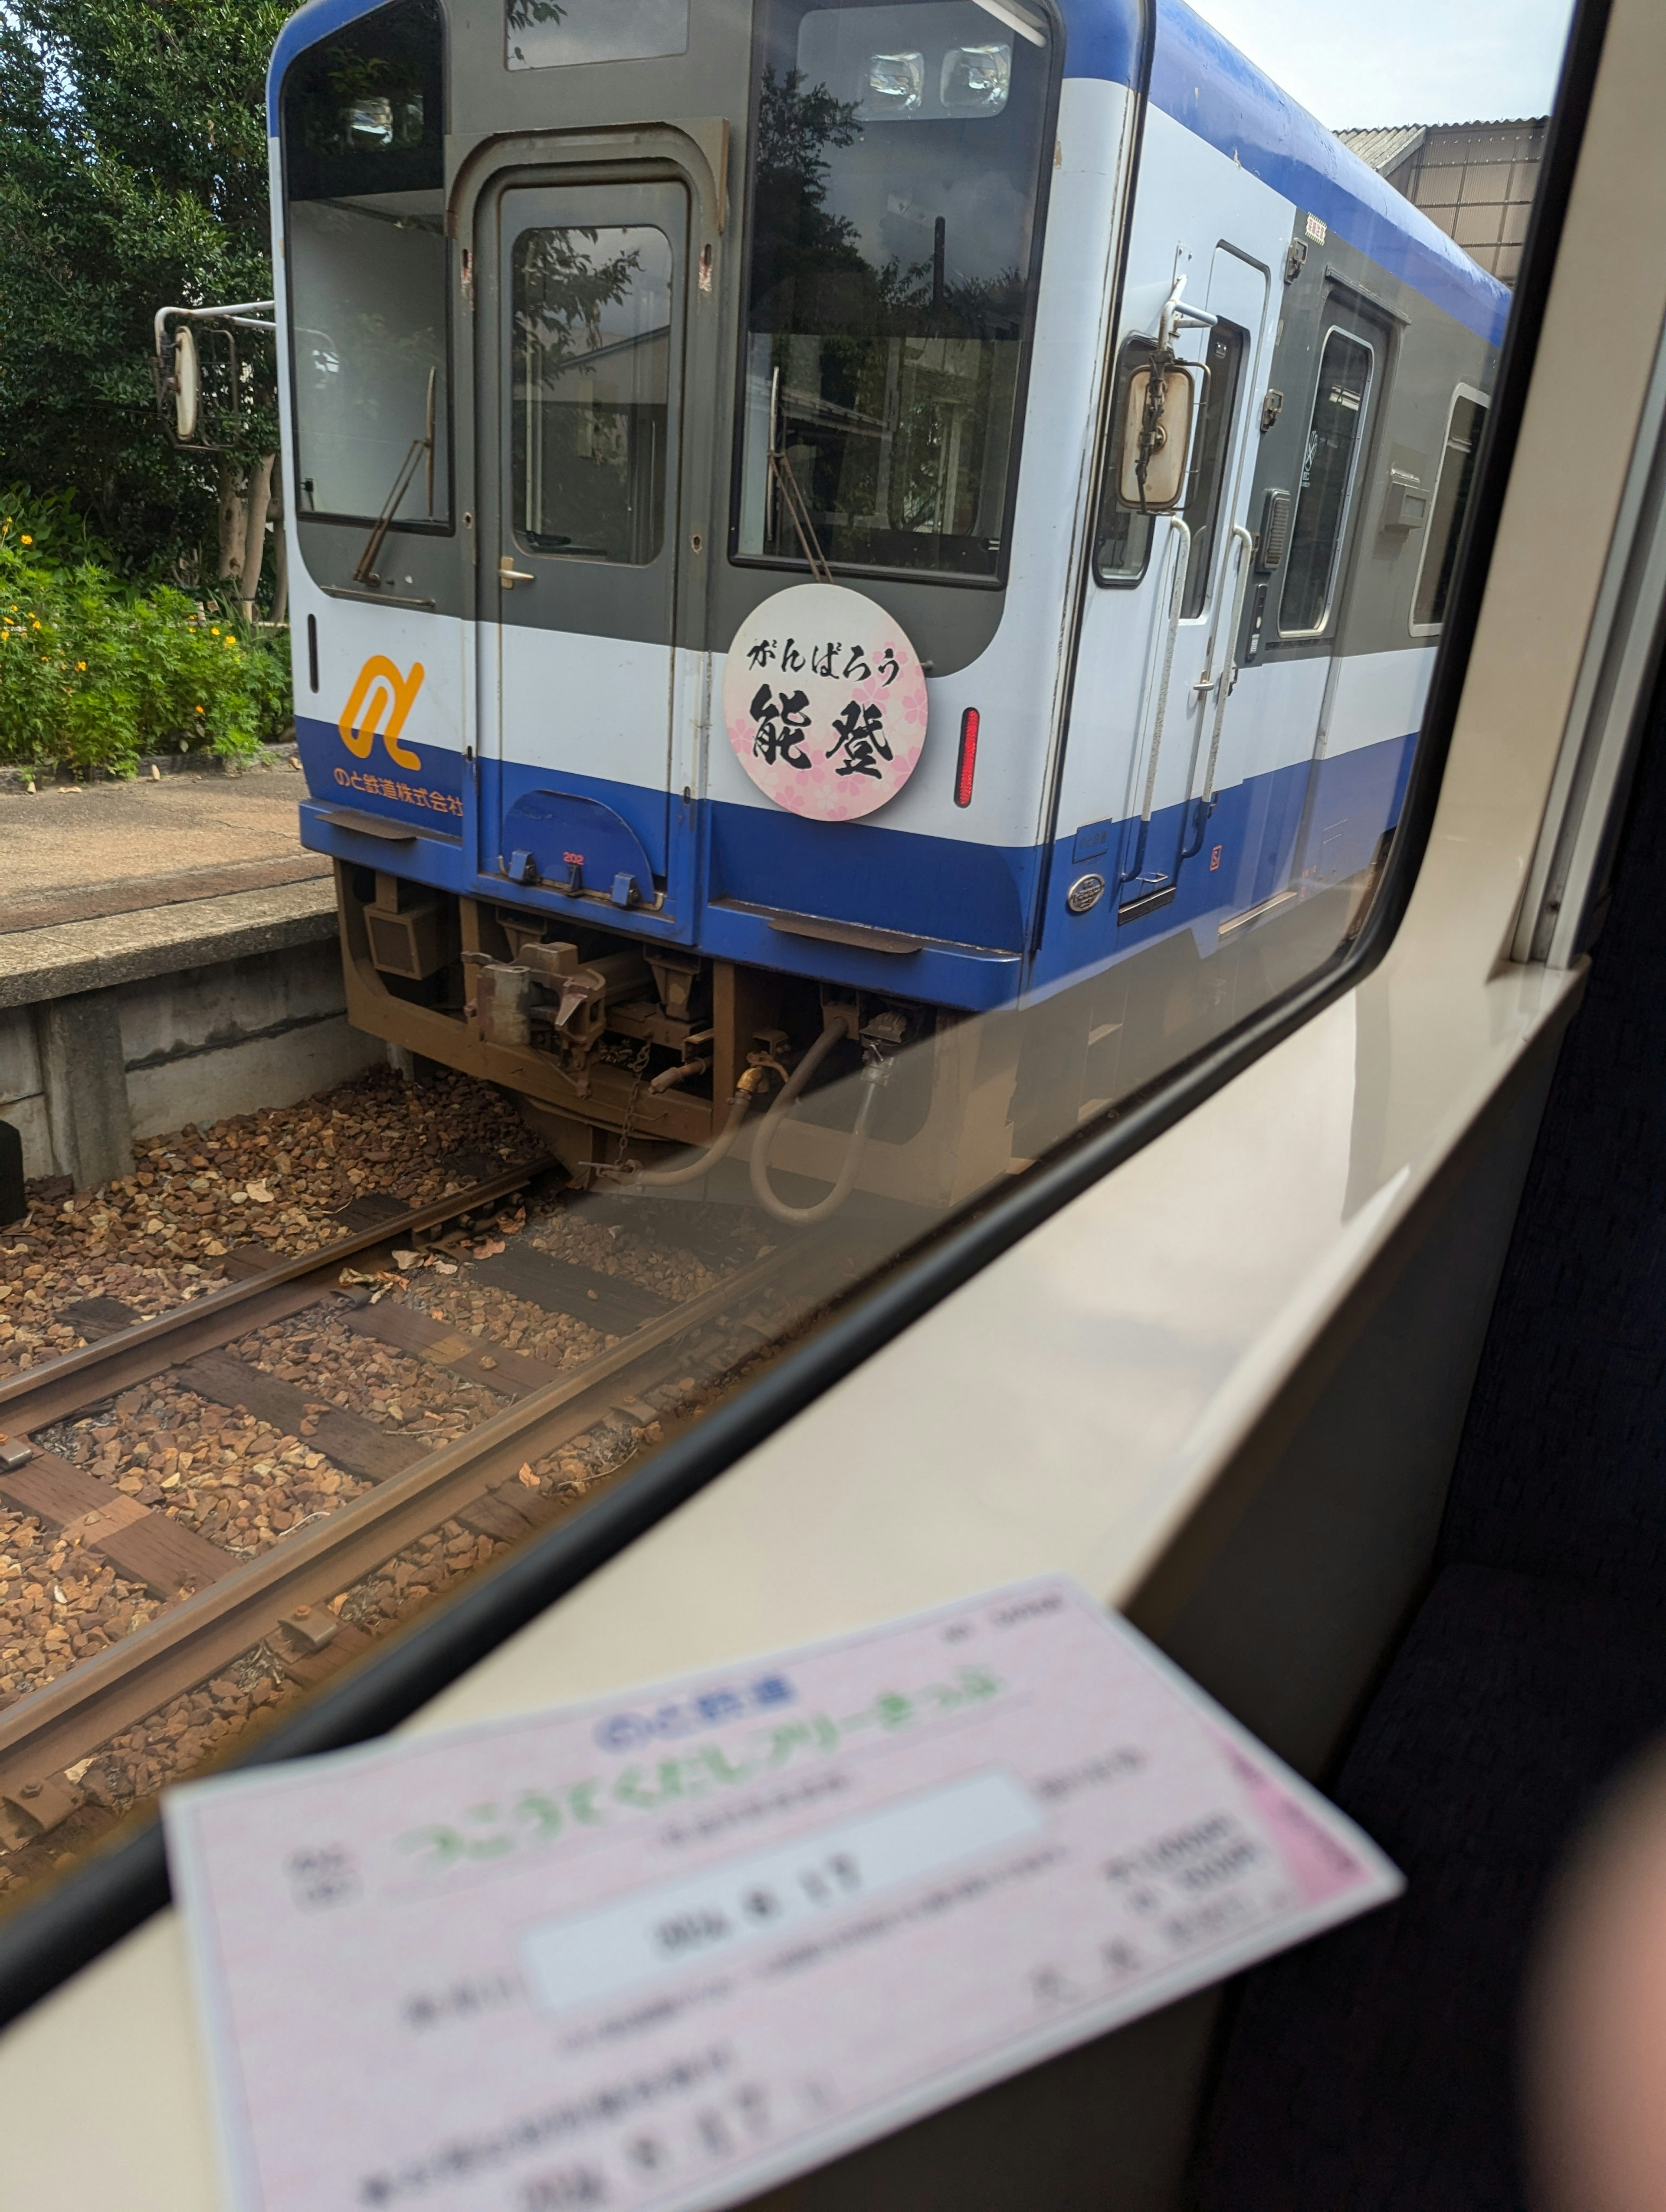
(110, 1363)
(52, 1727)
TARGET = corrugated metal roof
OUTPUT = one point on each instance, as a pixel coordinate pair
(1384, 150)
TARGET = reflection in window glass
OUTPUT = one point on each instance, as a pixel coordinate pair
(591, 370)
(1457, 470)
(367, 266)
(1333, 439)
(557, 33)
(889, 296)
(369, 296)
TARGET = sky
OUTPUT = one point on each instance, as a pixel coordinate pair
(1355, 61)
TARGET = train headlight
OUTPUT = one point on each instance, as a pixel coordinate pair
(370, 123)
(976, 80)
(896, 85)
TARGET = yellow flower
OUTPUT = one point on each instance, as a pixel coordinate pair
(199, 710)
(82, 664)
(214, 632)
(25, 539)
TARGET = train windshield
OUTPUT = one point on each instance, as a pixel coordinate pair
(592, 383)
(894, 185)
(367, 267)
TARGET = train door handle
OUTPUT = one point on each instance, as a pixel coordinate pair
(509, 575)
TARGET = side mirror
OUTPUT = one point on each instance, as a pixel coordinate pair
(187, 383)
(200, 413)
(1157, 438)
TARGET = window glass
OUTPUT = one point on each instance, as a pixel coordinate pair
(894, 202)
(1451, 500)
(591, 369)
(362, 133)
(1223, 354)
(1322, 504)
(741, 941)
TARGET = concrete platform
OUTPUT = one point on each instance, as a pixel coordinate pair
(93, 955)
(72, 852)
(167, 954)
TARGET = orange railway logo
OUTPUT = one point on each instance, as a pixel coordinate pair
(377, 707)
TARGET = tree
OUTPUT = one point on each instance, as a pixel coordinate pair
(800, 246)
(132, 176)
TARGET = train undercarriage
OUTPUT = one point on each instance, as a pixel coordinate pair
(656, 1066)
(660, 1068)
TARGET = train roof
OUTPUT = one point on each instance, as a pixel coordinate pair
(1206, 85)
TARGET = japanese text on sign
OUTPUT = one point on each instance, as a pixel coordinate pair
(825, 701)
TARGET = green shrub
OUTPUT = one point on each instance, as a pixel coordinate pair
(95, 673)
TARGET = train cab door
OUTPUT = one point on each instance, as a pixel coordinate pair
(580, 311)
(1151, 726)
(1188, 733)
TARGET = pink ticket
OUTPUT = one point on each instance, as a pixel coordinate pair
(665, 1949)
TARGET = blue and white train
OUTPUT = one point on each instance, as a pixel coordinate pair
(812, 522)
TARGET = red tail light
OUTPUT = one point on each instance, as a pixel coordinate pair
(966, 766)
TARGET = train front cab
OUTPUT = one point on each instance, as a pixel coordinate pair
(561, 570)
(1214, 1358)
(551, 370)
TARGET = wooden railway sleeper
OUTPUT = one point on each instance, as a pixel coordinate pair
(247, 1602)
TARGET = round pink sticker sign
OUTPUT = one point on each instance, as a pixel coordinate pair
(825, 701)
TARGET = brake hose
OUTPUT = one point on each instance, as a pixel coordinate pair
(763, 1144)
(631, 1177)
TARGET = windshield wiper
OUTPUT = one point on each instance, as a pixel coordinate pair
(365, 573)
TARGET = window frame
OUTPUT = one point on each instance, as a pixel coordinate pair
(1345, 519)
(1136, 349)
(937, 578)
(415, 527)
(77, 1920)
(1484, 401)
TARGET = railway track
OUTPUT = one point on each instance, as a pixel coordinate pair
(218, 1607)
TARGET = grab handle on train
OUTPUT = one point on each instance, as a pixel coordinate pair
(1222, 682)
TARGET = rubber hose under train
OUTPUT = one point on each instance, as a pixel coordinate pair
(874, 1075)
(635, 1178)
(793, 1086)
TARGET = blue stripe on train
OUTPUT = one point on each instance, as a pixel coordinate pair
(1209, 88)
(975, 894)
(1311, 823)
(1325, 825)
(1307, 825)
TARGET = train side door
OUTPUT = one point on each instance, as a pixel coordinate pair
(1188, 747)
(1293, 630)
(581, 318)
